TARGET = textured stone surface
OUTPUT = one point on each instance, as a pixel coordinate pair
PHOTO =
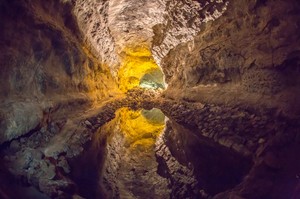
(238, 58)
(92, 18)
(182, 21)
(250, 34)
(114, 28)
(249, 43)
(131, 22)
(19, 118)
(253, 44)
(249, 55)
(43, 63)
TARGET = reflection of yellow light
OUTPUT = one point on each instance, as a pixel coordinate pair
(137, 130)
(136, 62)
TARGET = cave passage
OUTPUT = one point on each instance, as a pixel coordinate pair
(141, 153)
(150, 99)
(139, 69)
(153, 80)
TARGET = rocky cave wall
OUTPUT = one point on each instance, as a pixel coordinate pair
(92, 19)
(58, 55)
(239, 51)
(122, 32)
(217, 51)
(249, 55)
(45, 63)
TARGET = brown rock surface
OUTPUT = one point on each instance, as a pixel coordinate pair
(253, 49)
(44, 62)
(232, 69)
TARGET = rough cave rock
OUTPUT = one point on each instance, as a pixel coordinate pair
(225, 72)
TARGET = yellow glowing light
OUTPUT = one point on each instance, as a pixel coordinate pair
(98, 82)
(137, 51)
(137, 130)
(136, 62)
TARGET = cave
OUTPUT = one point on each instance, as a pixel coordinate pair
(158, 99)
(153, 79)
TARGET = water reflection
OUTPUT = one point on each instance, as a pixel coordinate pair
(140, 155)
(216, 168)
(121, 162)
(154, 116)
(140, 127)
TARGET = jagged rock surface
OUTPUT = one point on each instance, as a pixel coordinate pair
(252, 48)
(43, 64)
(239, 58)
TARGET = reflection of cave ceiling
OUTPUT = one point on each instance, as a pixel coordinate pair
(154, 116)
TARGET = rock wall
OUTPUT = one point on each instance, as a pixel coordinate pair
(116, 29)
(250, 34)
(182, 21)
(61, 50)
(92, 18)
(253, 45)
(270, 141)
(44, 62)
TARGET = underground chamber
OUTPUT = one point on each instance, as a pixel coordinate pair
(149, 99)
